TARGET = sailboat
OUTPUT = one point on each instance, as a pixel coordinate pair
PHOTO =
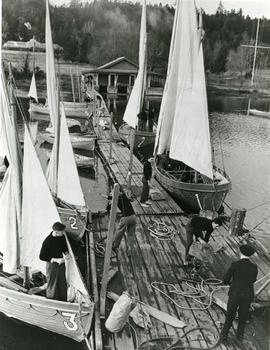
(183, 157)
(62, 172)
(135, 103)
(23, 226)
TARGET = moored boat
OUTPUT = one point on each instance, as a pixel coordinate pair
(258, 113)
(82, 112)
(141, 139)
(183, 153)
(80, 141)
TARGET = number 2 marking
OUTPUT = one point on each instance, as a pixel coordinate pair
(73, 222)
(70, 324)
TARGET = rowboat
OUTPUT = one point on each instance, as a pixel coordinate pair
(80, 141)
(259, 113)
(81, 161)
(142, 138)
(183, 153)
(71, 109)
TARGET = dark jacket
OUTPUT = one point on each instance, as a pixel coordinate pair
(198, 224)
(124, 205)
(53, 247)
(241, 275)
(147, 170)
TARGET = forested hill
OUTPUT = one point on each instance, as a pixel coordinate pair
(102, 30)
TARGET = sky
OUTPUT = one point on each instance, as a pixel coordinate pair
(253, 8)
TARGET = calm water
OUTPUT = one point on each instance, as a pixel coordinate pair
(245, 145)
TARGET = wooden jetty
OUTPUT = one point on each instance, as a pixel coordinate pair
(146, 259)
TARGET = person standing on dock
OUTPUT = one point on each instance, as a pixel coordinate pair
(53, 250)
(195, 227)
(127, 222)
(241, 275)
(147, 174)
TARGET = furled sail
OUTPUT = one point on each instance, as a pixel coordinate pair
(68, 182)
(10, 192)
(33, 88)
(135, 102)
(189, 137)
(50, 70)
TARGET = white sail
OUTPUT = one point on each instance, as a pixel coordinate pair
(38, 208)
(39, 212)
(134, 105)
(68, 182)
(50, 70)
(10, 193)
(188, 137)
(168, 102)
(33, 88)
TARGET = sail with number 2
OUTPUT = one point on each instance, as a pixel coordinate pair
(183, 155)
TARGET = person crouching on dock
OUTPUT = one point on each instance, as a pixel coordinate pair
(196, 227)
(53, 251)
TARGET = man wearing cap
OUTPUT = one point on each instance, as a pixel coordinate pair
(196, 228)
(53, 251)
(241, 276)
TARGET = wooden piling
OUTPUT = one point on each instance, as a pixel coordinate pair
(237, 222)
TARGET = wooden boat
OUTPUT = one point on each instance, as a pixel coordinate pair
(80, 141)
(183, 156)
(23, 201)
(71, 111)
(142, 138)
(129, 131)
(259, 113)
(81, 161)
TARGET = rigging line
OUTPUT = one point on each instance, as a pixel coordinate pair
(221, 151)
(267, 217)
(257, 206)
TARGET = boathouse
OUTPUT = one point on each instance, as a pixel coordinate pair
(118, 77)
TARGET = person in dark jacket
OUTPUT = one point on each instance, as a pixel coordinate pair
(147, 174)
(127, 222)
(52, 251)
(241, 276)
(142, 116)
(196, 227)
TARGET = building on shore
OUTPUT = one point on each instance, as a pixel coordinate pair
(118, 77)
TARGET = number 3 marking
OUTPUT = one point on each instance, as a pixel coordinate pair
(73, 222)
(70, 324)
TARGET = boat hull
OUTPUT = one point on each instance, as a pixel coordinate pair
(79, 141)
(71, 112)
(211, 196)
(63, 318)
(258, 113)
(142, 138)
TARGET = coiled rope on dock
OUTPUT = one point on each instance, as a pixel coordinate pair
(196, 292)
(174, 345)
(161, 231)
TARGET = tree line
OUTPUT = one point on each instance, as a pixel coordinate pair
(102, 30)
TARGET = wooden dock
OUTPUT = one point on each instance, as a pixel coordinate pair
(146, 259)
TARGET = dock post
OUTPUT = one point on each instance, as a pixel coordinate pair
(111, 128)
(237, 222)
(107, 258)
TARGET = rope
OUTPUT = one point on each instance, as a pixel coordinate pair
(161, 231)
(198, 292)
(258, 206)
(267, 217)
(174, 346)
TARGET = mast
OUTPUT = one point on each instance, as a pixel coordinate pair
(72, 85)
(57, 138)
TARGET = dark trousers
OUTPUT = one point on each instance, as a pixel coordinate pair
(189, 239)
(240, 302)
(145, 190)
(56, 281)
(126, 223)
